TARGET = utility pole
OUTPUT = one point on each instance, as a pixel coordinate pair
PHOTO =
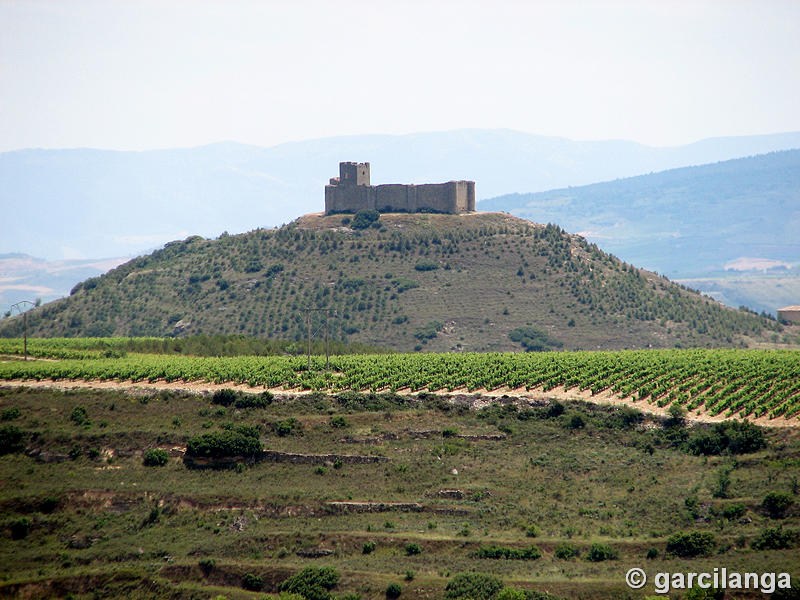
(308, 324)
(327, 335)
(327, 345)
(20, 309)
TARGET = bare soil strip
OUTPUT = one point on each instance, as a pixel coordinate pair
(476, 398)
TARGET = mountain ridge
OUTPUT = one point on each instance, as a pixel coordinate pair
(72, 203)
(688, 221)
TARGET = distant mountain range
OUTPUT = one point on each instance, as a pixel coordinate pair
(24, 277)
(707, 224)
(80, 203)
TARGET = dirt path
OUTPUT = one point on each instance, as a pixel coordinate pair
(477, 398)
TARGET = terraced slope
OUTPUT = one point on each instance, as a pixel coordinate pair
(511, 490)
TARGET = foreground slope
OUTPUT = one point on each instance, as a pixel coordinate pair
(384, 489)
(421, 281)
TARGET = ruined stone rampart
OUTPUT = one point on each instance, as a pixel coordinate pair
(351, 192)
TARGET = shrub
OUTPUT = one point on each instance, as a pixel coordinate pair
(426, 265)
(368, 547)
(313, 583)
(274, 270)
(531, 531)
(393, 591)
(531, 553)
(576, 422)
(412, 549)
(223, 444)
(225, 397)
(734, 511)
(9, 414)
(79, 415)
(652, 553)
(262, 400)
(476, 586)
(429, 331)
(733, 437)
(251, 582)
(601, 552)
(364, 218)
(48, 505)
(510, 593)
(207, 565)
(242, 428)
(20, 528)
(286, 427)
(10, 439)
(566, 551)
(689, 545)
(339, 422)
(533, 339)
(624, 417)
(555, 409)
(775, 504)
(404, 283)
(776, 538)
(155, 457)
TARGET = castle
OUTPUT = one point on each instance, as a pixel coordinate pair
(351, 192)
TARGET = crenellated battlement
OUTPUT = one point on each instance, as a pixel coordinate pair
(351, 192)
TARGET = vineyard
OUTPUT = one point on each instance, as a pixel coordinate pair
(746, 383)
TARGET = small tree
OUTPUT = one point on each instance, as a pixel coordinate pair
(251, 582)
(776, 504)
(155, 457)
(477, 586)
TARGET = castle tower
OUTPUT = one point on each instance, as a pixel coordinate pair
(351, 173)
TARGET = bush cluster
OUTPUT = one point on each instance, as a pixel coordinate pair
(313, 583)
(365, 218)
(601, 552)
(476, 586)
(732, 437)
(690, 545)
(565, 551)
(155, 457)
(776, 538)
(286, 427)
(223, 444)
(530, 553)
(10, 439)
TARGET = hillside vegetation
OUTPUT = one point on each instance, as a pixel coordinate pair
(478, 282)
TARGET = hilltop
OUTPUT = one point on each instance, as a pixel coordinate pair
(409, 281)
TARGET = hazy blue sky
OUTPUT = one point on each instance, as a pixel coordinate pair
(139, 74)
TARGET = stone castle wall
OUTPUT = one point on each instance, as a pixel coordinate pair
(790, 314)
(342, 195)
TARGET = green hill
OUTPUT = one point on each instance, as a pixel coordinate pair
(477, 282)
